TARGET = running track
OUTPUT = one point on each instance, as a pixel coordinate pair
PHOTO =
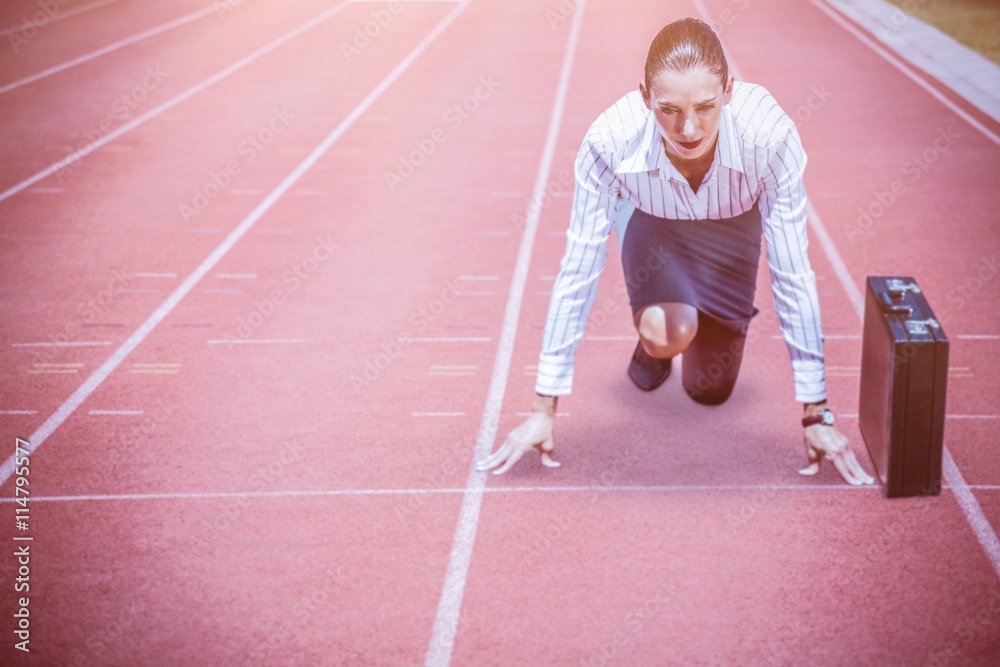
(211, 487)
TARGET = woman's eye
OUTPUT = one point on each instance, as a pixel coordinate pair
(669, 111)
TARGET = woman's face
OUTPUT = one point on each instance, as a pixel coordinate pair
(688, 107)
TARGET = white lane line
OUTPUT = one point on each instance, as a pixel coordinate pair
(450, 605)
(18, 412)
(528, 414)
(973, 512)
(831, 336)
(63, 14)
(169, 104)
(259, 341)
(156, 275)
(972, 416)
(952, 475)
(115, 412)
(79, 343)
(902, 67)
(437, 414)
(854, 415)
(471, 339)
(114, 46)
(426, 491)
(977, 337)
(133, 341)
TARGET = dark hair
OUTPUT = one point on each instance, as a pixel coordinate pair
(684, 44)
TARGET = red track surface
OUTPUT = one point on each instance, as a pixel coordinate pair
(264, 509)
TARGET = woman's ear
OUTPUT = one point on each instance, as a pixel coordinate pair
(728, 93)
(645, 95)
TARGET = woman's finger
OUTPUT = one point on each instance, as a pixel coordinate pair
(547, 448)
(814, 457)
(514, 457)
(496, 458)
(845, 470)
(859, 471)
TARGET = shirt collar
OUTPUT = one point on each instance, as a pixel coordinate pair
(647, 153)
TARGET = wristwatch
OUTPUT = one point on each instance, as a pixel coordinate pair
(825, 417)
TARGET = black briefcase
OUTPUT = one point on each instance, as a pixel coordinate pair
(904, 370)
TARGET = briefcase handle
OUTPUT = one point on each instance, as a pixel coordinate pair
(889, 302)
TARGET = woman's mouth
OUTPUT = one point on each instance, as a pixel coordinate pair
(690, 145)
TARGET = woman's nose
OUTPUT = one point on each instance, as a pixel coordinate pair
(690, 128)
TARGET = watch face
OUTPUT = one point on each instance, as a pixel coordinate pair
(827, 417)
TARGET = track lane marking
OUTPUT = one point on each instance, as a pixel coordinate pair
(101, 374)
(209, 495)
(449, 608)
(169, 104)
(63, 14)
(114, 46)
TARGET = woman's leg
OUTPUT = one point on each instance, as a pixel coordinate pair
(712, 361)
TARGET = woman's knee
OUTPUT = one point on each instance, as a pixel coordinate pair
(666, 329)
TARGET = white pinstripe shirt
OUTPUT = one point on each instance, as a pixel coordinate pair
(759, 160)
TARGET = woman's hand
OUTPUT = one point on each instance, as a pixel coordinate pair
(826, 441)
(535, 432)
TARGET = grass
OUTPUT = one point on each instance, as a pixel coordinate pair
(975, 23)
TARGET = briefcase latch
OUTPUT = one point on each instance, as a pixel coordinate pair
(920, 326)
(894, 298)
(891, 303)
(895, 285)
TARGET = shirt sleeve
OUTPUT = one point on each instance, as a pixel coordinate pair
(793, 283)
(596, 198)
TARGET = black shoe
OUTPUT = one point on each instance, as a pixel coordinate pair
(646, 371)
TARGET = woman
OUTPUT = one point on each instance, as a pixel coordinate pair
(691, 169)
